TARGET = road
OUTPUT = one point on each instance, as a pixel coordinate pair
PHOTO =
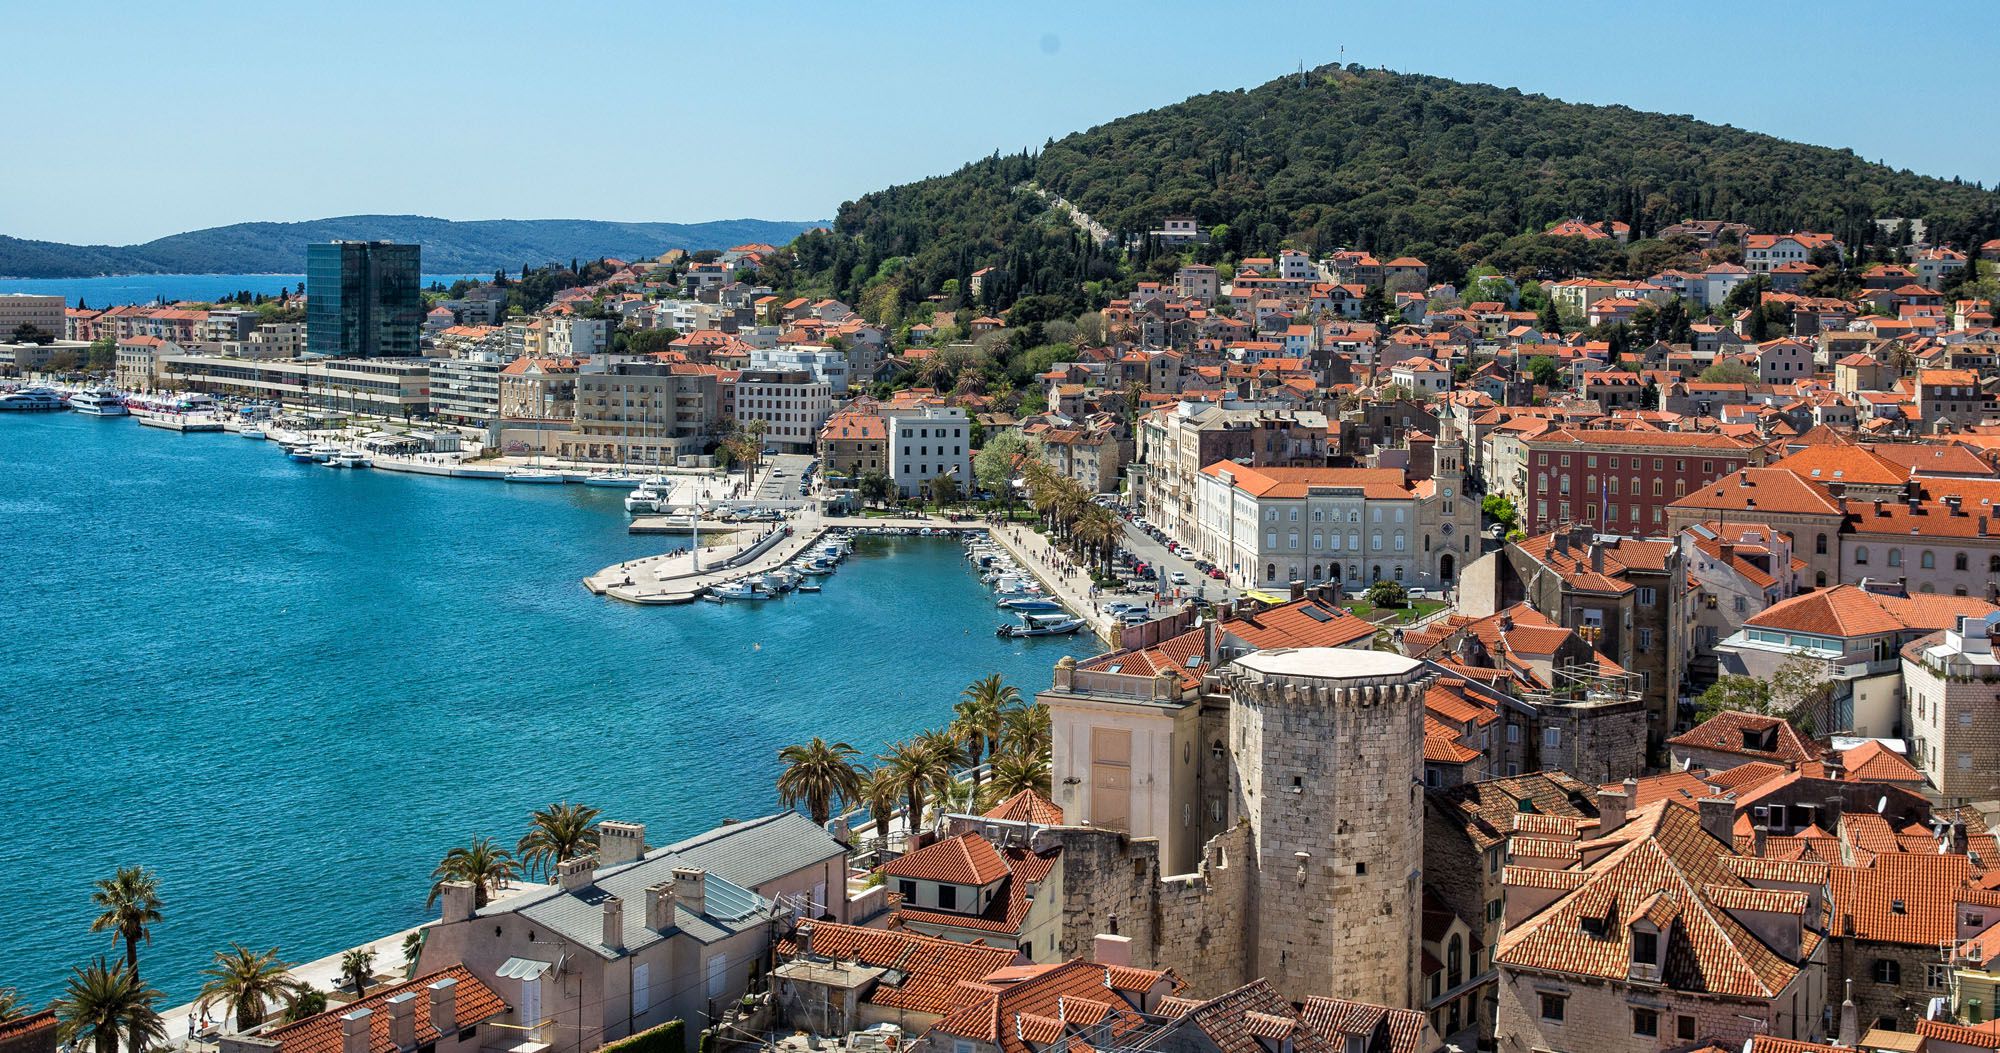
(781, 475)
(1202, 587)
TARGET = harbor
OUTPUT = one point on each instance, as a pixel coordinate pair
(327, 633)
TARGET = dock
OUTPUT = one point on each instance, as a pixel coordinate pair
(679, 525)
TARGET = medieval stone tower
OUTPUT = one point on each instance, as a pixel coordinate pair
(1327, 746)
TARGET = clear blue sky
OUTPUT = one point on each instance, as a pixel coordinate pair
(138, 120)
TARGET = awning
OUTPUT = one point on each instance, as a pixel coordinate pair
(1265, 597)
(522, 968)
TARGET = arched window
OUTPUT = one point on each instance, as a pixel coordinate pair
(1270, 572)
(1928, 561)
(1861, 555)
(1993, 564)
(1454, 962)
(1819, 580)
(1319, 571)
(1819, 547)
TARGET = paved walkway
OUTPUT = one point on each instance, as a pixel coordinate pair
(1067, 580)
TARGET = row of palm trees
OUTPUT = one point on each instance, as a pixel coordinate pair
(1089, 529)
(106, 1006)
(557, 834)
(991, 723)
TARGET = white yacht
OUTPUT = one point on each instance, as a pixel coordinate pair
(31, 400)
(99, 402)
(623, 479)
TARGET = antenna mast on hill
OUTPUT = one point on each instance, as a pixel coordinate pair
(1302, 73)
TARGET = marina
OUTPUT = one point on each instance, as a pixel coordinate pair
(327, 636)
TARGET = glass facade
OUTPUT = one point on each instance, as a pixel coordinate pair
(364, 299)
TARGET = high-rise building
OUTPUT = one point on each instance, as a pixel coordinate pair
(364, 299)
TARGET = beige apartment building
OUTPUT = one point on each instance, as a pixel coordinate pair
(1174, 445)
(642, 413)
(44, 314)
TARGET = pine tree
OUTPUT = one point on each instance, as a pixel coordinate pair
(1550, 319)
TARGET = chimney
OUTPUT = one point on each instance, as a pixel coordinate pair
(444, 1005)
(1718, 818)
(1611, 808)
(660, 906)
(619, 843)
(460, 900)
(1562, 541)
(1850, 1020)
(354, 1029)
(573, 874)
(1208, 640)
(402, 1010)
(1106, 949)
(691, 886)
(892, 901)
(614, 923)
(1507, 622)
(1597, 557)
(803, 936)
(1958, 843)
(1298, 590)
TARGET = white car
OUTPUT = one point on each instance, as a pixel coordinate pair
(1178, 578)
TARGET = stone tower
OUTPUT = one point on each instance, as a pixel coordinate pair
(1327, 744)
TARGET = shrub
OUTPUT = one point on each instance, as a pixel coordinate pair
(670, 1037)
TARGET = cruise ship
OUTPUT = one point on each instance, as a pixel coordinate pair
(99, 402)
(30, 400)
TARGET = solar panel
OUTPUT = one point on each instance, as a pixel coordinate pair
(1317, 613)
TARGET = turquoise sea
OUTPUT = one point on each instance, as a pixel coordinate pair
(114, 289)
(288, 689)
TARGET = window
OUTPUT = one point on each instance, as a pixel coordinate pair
(1958, 562)
(1861, 556)
(1895, 557)
(1647, 597)
(1552, 738)
(1819, 549)
(1684, 1028)
(1934, 976)
(642, 988)
(1513, 733)
(1646, 1023)
(948, 897)
(1645, 948)
(908, 890)
(1552, 1007)
(1887, 971)
(1927, 560)
(1645, 639)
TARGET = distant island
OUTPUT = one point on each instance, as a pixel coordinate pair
(450, 246)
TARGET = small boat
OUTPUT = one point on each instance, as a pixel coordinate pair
(99, 402)
(817, 567)
(743, 589)
(32, 400)
(809, 586)
(1042, 625)
(251, 431)
(619, 479)
(1032, 605)
(652, 495)
(530, 475)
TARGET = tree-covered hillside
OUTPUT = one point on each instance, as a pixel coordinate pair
(1392, 163)
(450, 247)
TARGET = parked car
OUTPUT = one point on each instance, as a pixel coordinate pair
(1178, 578)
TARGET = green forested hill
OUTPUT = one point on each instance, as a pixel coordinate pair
(450, 247)
(1388, 162)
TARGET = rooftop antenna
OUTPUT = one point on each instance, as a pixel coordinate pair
(1302, 73)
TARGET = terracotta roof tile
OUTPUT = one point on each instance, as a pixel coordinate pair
(967, 859)
(473, 1003)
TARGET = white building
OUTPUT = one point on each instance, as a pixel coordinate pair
(927, 442)
(577, 337)
(1954, 727)
(792, 403)
(821, 361)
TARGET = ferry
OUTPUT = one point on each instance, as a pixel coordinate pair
(32, 400)
(99, 402)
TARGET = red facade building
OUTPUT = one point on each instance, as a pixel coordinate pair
(1621, 481)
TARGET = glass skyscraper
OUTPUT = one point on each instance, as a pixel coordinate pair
(364, 299)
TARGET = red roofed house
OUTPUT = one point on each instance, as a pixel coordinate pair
(1644, 936)
(833, 979)
(964, 888)
(1045, 1008)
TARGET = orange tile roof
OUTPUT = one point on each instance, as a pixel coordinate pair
(1734, 733)
(1486, 810)
(1662, 852)
(473, 1003)
(1849, 611)
(1441, 744)
(1338, 1019)
(933, 968)
(1907, 898)
(1304, 623)
(1768, 490)
(1874, 762)
(1027, 807)
(1375, 483)
(967, 859)
(1079, 994)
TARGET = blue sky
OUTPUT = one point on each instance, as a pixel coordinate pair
(139, 120)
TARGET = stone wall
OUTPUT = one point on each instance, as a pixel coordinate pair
(1903, 1002)
(1195, 924)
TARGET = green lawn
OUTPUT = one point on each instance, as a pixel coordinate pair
(1394, 615)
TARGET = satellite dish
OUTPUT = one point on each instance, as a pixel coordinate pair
(1747, 1043)
(1882, 805)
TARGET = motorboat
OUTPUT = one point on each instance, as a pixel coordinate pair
(251, 431)
(653, 495)
(1042, 625)
(743, 589)
(809, 586)
(618, 479)
(817, 566)
(1032, 605)
(783, 579)
(353, 459)
(302, 453)
(530, 475)
(324, 453)
(31, 400)
(99, 402)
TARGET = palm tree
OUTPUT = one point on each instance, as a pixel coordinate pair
(975, 722)
(1025, 733)
(250, 982)
(950, 756)
(131, 903)
(917, 770)
(1100, 529)
(10, 1004)
(817, 772)
(106, 1004)
(992, 694)
(483, 863)
(310, 1001)
(413, 947)
(1015, 772)
(354, 968)
(557, 834)
(880, 793)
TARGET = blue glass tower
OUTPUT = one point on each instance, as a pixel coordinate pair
(364, 299)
